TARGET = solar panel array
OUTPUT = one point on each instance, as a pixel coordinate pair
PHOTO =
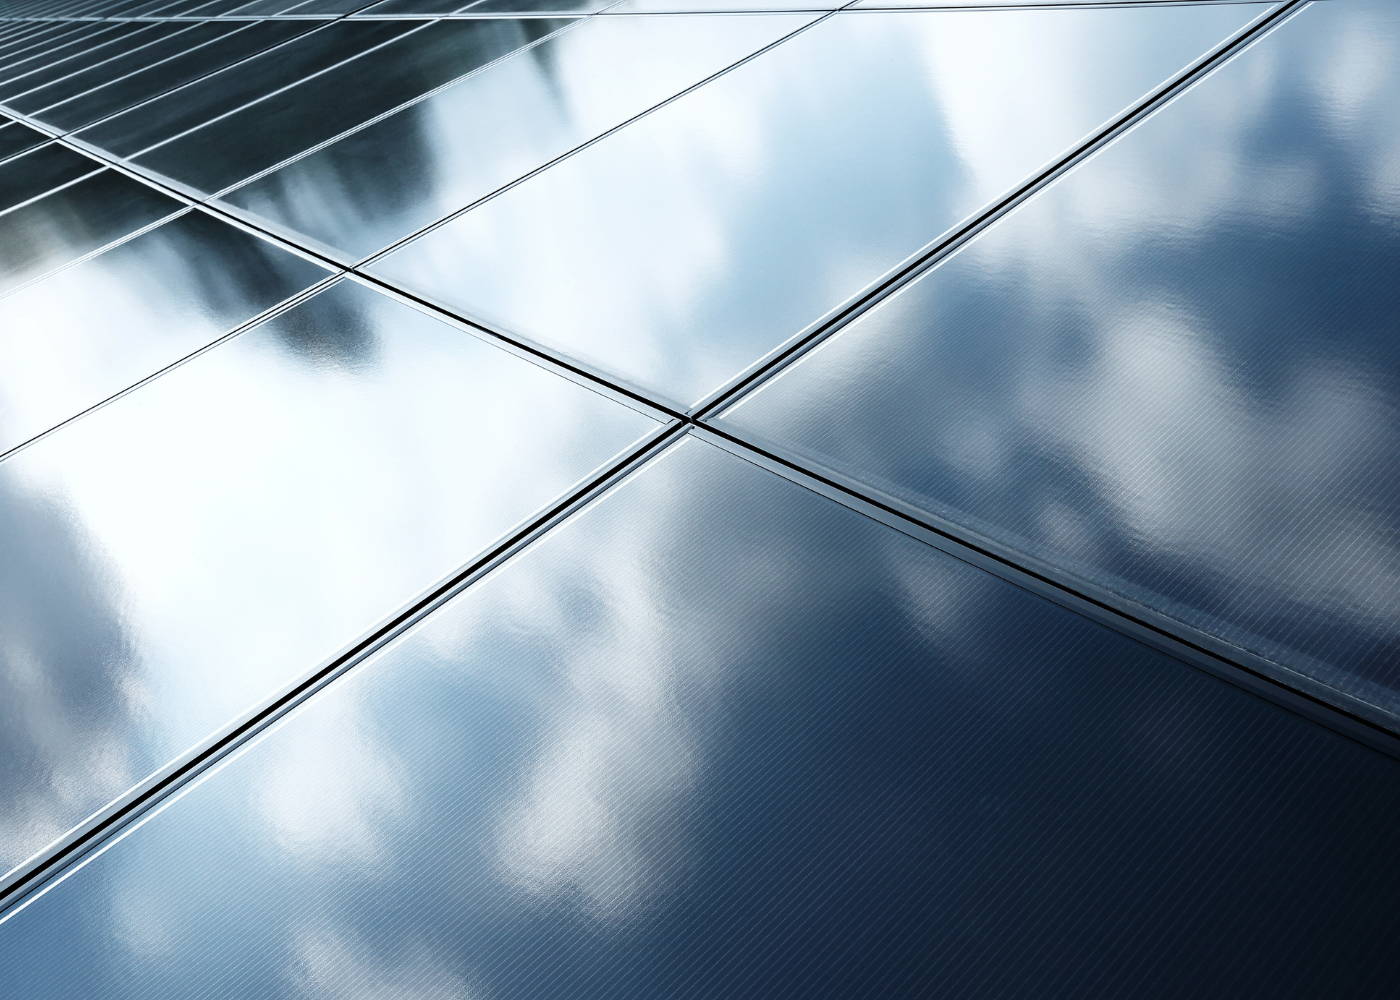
(699, 498)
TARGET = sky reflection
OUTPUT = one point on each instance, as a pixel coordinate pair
(1174, 376)
(694, 241)
(716, 733)
(307, 477)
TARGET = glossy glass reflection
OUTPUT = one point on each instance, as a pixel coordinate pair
(93, 329)
(685, 6)
(294, 120)
(237, 40)
(40, 171)
(16, 138)
(64, 225)
(126, 43)
(214, 536)
(719, 736)
(120, 67)
(1174, 376)
(371, 188)
(57, 56)
(177, 112)
(688, 245)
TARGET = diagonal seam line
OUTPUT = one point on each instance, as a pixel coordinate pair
(1383, 736)
(44, 867)
(1105, 134)
(594, 140)
(312, 27)
(930, 256)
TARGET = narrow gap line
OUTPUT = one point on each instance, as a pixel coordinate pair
(59, 858)
(534, 172)
(311, 29)
(930, 256)
(31, 876)
(466, 14)
(1115, 611)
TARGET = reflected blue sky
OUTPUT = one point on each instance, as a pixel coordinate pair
(693, 242)
(1173, 375)
(716, 735)
(236, 522)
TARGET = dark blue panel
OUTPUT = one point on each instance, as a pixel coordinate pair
(1175, 377)
(315, 110)
(40, 171)
(238, 41)
(718, 736)
(119, 66)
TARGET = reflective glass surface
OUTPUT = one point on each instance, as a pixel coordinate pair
(718, 736)
(28, 38)
(20, 66)
(195, 546)
(683, 6)
(16, 138)
(236, 41)
(40, 171)
(58, 228)
(690, 244)
(291, 121)
(93, 329)
(385, 182)
(399, 600)
(122, 44)
(188, 107)
(538, 6)
(1176, 377)
(423, 7)
(119, 68)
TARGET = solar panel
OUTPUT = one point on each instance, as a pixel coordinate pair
(654, 499)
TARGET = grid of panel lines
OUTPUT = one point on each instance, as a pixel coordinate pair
(666, 498)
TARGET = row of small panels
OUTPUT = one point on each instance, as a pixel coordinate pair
(728, 701)
(203, 9)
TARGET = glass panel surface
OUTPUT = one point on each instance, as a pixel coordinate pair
(240, 41)
(214, 536)
(684, 6)
(538, 6)
(181, 110)
(61, 227)
(56, 52)
(284, 124)
(40, 171)
(118, 68)
(26, 38)
(16, 138)
(387, 7)
(123, 41)
(385, 182)
(688, 245)
(93, 329)
(718, 736)
(1176, 377)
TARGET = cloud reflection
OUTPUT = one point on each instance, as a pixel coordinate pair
(1171, 375)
